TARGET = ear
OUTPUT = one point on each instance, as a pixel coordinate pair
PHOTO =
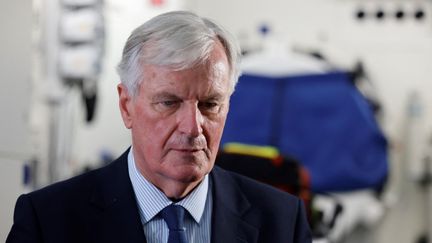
(125, 105)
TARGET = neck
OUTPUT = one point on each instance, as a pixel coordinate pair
(176, 191)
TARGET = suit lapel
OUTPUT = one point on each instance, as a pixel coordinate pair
(229, 209)
(116, 216)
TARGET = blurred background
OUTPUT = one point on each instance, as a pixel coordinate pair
(342, 89)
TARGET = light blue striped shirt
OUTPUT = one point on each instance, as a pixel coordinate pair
(151, 201)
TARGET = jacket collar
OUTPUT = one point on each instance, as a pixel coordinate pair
(230, 209)
(116, 217)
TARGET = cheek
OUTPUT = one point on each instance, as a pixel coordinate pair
(152, 132)
(158, 132)
(215, 129)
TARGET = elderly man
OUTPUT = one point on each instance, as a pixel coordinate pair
(177, 72)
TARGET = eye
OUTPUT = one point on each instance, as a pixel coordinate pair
(169, 103)
(209, 106)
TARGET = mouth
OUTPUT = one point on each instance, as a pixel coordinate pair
(191, 154)
(191, 150)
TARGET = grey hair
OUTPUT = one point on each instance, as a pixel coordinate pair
(178, 40)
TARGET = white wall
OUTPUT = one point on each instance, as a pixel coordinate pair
(15, 76)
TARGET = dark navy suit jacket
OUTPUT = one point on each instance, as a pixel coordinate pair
(100, 206)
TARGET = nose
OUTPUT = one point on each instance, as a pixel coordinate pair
(190, 120)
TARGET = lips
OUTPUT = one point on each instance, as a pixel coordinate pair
(188, 150)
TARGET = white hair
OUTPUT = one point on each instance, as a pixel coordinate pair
(178, 40)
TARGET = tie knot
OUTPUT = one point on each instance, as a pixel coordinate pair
(173, 216)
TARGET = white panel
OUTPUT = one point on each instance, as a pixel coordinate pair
(15, 75)
(81, 25)
(79, 61)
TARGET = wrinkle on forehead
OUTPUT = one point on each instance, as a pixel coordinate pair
(202, 82)
(214, 71)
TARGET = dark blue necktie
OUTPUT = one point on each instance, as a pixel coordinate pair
(174, 216)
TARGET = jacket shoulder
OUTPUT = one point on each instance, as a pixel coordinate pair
(79, 187)
(278, 215)
(255, 189)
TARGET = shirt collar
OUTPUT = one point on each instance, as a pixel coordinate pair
(151, 200)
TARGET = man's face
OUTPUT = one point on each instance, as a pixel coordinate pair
(177, 119)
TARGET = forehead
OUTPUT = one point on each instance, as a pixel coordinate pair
(211, 76)
(197, 81)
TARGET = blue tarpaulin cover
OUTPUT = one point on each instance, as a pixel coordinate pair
(320, 119)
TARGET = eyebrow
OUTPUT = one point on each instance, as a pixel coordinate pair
(163, 96)
(215, 96)
(168, 95)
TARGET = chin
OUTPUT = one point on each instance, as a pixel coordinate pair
(190, 173)
(187, 168)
